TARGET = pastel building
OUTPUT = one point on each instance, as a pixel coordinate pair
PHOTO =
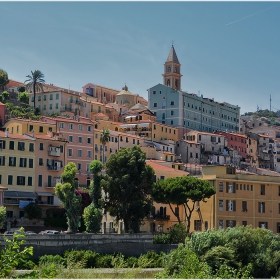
(178, 108)
(241, 198)
(17, 172)
(78, 132)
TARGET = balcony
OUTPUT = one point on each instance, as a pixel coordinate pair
(54, 167)
(54, 151)
(158, 217)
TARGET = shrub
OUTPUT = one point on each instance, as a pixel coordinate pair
(151, 260)
(57, 259)
(131, 262)
(105, 261)
(162, 238)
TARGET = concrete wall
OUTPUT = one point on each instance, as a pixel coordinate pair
(127, 244)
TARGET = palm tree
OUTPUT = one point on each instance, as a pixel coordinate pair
(104, 138)
(35, 82)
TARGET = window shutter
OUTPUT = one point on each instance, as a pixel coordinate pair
(234, 205)
(233, 187)
(227, 187)
(227, 205)
(4, 144)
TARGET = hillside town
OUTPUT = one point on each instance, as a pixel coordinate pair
(181, 133)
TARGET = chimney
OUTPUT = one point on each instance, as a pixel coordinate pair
(6, 133)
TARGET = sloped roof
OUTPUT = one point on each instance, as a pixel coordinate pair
(172, 57)
(138, 106)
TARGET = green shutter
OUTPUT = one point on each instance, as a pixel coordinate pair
(31, 163)
(12, 145)
(49, 181)
(29, 183)
(10, 179)
(40, 181)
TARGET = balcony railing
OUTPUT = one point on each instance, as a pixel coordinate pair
(159, 217)
(54, 168)
(54, 151)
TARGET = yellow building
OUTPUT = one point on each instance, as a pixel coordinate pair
(21, 126)
(241, 198)
(17, 172)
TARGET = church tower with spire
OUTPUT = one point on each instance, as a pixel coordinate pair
(172, 74)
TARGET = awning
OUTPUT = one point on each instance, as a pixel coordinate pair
(130, 117)
(24, 203)
(45, 194)
(127, 125)
(18, 194)
(143, 125)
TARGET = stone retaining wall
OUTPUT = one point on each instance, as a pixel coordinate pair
(127, 244)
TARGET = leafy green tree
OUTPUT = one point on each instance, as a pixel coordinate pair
(23, 97)
(13, 253)
(92, 218)
(93, 213)
(95, 168)
(104, 138)
(4, 80)
(33, 211)
(35, 83)
(2, 216)
(183, 191)
(4, 96)
(128, 187)
(21, 88)
(65, 191)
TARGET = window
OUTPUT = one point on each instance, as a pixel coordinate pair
(29, 181)
(41, 146)
(10, 179)
(79, 153)
(50, 106)
(176, 211)
(71, 126)
(154, 92)
(89, 128)
(230, 187)
(80, 139)
(278, 227)
(21, 180)
(197, 225)
(22, 162)
(2, 160)
(155, 104)
(12, 145)
(263, 225)
(261, 207)
(262, 189)
(88, 154)
(70, 138)
(231, 223)
(162, 177)
(81, 127)
(79, 166)
(41, 129)
(51, 97)
(172, 103)
(57, 96)
(56, 105)
(231, 205)
(61, 148)
(221, 187)
(61, 125)
(44, 107)
(31, 147)
(21, 146)
(12, 161)
(30, 127)
(244, 223)
(41, 161)
(70, 152)
(221, 224)
(221, 205)
(244, 206)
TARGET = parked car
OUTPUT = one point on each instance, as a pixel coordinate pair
(46, 232)
(30, 233)
(9, 232)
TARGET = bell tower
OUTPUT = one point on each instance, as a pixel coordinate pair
(172, 72)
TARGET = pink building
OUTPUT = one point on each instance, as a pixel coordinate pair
(78, 131)
(236, 141)
(2, 114)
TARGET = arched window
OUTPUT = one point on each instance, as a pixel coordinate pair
(116, 129)
(175, 70)
(168, 83)
(169, 69)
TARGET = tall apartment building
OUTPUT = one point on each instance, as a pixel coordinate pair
(175, 107)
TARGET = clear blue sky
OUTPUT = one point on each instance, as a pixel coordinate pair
(228, 51)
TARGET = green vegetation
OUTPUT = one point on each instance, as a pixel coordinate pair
(22, 112)
(33, 211)
(2, 216)
(4, 80)
(56, 218)
(185, 191)
(65, 191)
(23, 97)
(4, 96)
(128, 187)
(13, 254)
(35, 83)
(104, 138)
